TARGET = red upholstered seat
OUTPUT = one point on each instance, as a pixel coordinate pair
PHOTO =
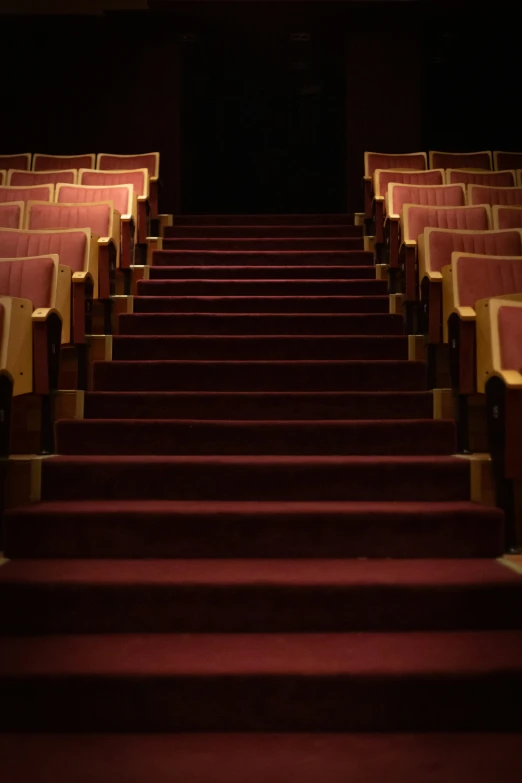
(97, 217)
(383, 177)
(11, 214)
(29, 278)
(510, 334)
(120, 195)
(507, 160)
(147, 160)
(427, 195)
(21, 161)
(70, 246)
(382, 160)
(60, 162)
(25, 194)
(138, 178)
(507, 217)
(439, 244)
(500, 179)
(461, 160)
(484, 194)
(484, 276)
(416, 218)
(23, 178)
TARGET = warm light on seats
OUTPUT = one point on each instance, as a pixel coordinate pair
(382, 178)
(501, 179)
(11, 214)
(461, 160)
(27, 193)
(25, 178)
(58, 162)
(507, 217)
(148, 160)
(382, 160)
(138, 178)
(484, 194)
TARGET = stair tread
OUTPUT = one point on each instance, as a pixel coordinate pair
(476, 574)
(462, 654)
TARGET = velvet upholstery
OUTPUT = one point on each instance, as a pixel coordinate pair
(443, 243)
(70, 246)
(97, 217)
(25, 194)
(437, 196)
(136, 178)
(28, 278)
(120, 195)
(482, 277)
(508, 160)
(59, 162)
(486, 194)
(509, 217)
(510, 337)
(380, 160)
(148, 160)
(11, 215)
(460, 160)
(21, 178)
(385, 176)
(467, 218)
(500, 179)
(21, 162)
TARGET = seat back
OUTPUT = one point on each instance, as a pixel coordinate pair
(146, 160)
(476, 276)
(381, 160)
(138, 178)
(21, 161)
(461, 160)
(507, 160)
(3, 177)
(25, 178)
(97, 217)
(519, 178)
(426, 195)
(25, 194)
(507, 217)
(383, 177)
(500, 179)
(11, 214)
(61, 162)
(484, 194)
(416, 218)
(437, 244)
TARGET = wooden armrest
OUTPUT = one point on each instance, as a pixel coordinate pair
(143, 219)
(127, 241)
(82, 293)
(47, 334)
(44, 313)
(107, 259)
(409, 243)
(16, 349)
(465, 313)
(434, 276)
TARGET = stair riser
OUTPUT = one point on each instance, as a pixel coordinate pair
(261, 324)
(330, 219)
(284, 258)
(261, 703)
(262, 304)
(257, 232)
(257, 406)
(262, 272)
(286, 287)
(62, 609)
(200, 438)
(277, 348)
(159, 376)
(293, 243)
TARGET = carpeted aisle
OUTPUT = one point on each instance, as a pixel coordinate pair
(255, 558)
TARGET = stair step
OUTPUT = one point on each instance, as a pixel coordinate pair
(261, 324)
(301, 347)
(263, 596)
(258, 405)
(282, 257)
(333, 219)
(259, 231)
(341, 272)
(193, 437)
(260, 758)
(276, 244)
(262, 304)
(267, 375)
(416, 681)
(266, 287)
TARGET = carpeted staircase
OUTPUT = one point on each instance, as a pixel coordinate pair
(256, 558)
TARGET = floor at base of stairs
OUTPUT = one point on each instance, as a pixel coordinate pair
(260, 758)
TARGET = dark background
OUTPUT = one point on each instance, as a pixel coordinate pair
(248, 119)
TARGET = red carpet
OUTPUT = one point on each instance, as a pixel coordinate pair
(258, 527)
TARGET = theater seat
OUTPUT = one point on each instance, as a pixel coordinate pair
(24, 178)
(3, 177)
(425, 195)
(381, 160)
(25, 194)
(499, 375)
(101, 219)
(59, 162)
(484, 194)
(124, 201)
(507, 160)
(21, 161)
(138, 178)
(11, 214)
(469, 278)
(461, 160)
(507, 217)
(382, 178)
(519, 178)
(435, 247)
(76, 251)
(34, 302)
(500, 179)
(148, 160)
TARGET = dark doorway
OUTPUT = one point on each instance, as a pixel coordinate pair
(263, 125)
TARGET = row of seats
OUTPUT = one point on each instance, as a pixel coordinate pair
(451, 240)
(70, 165)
